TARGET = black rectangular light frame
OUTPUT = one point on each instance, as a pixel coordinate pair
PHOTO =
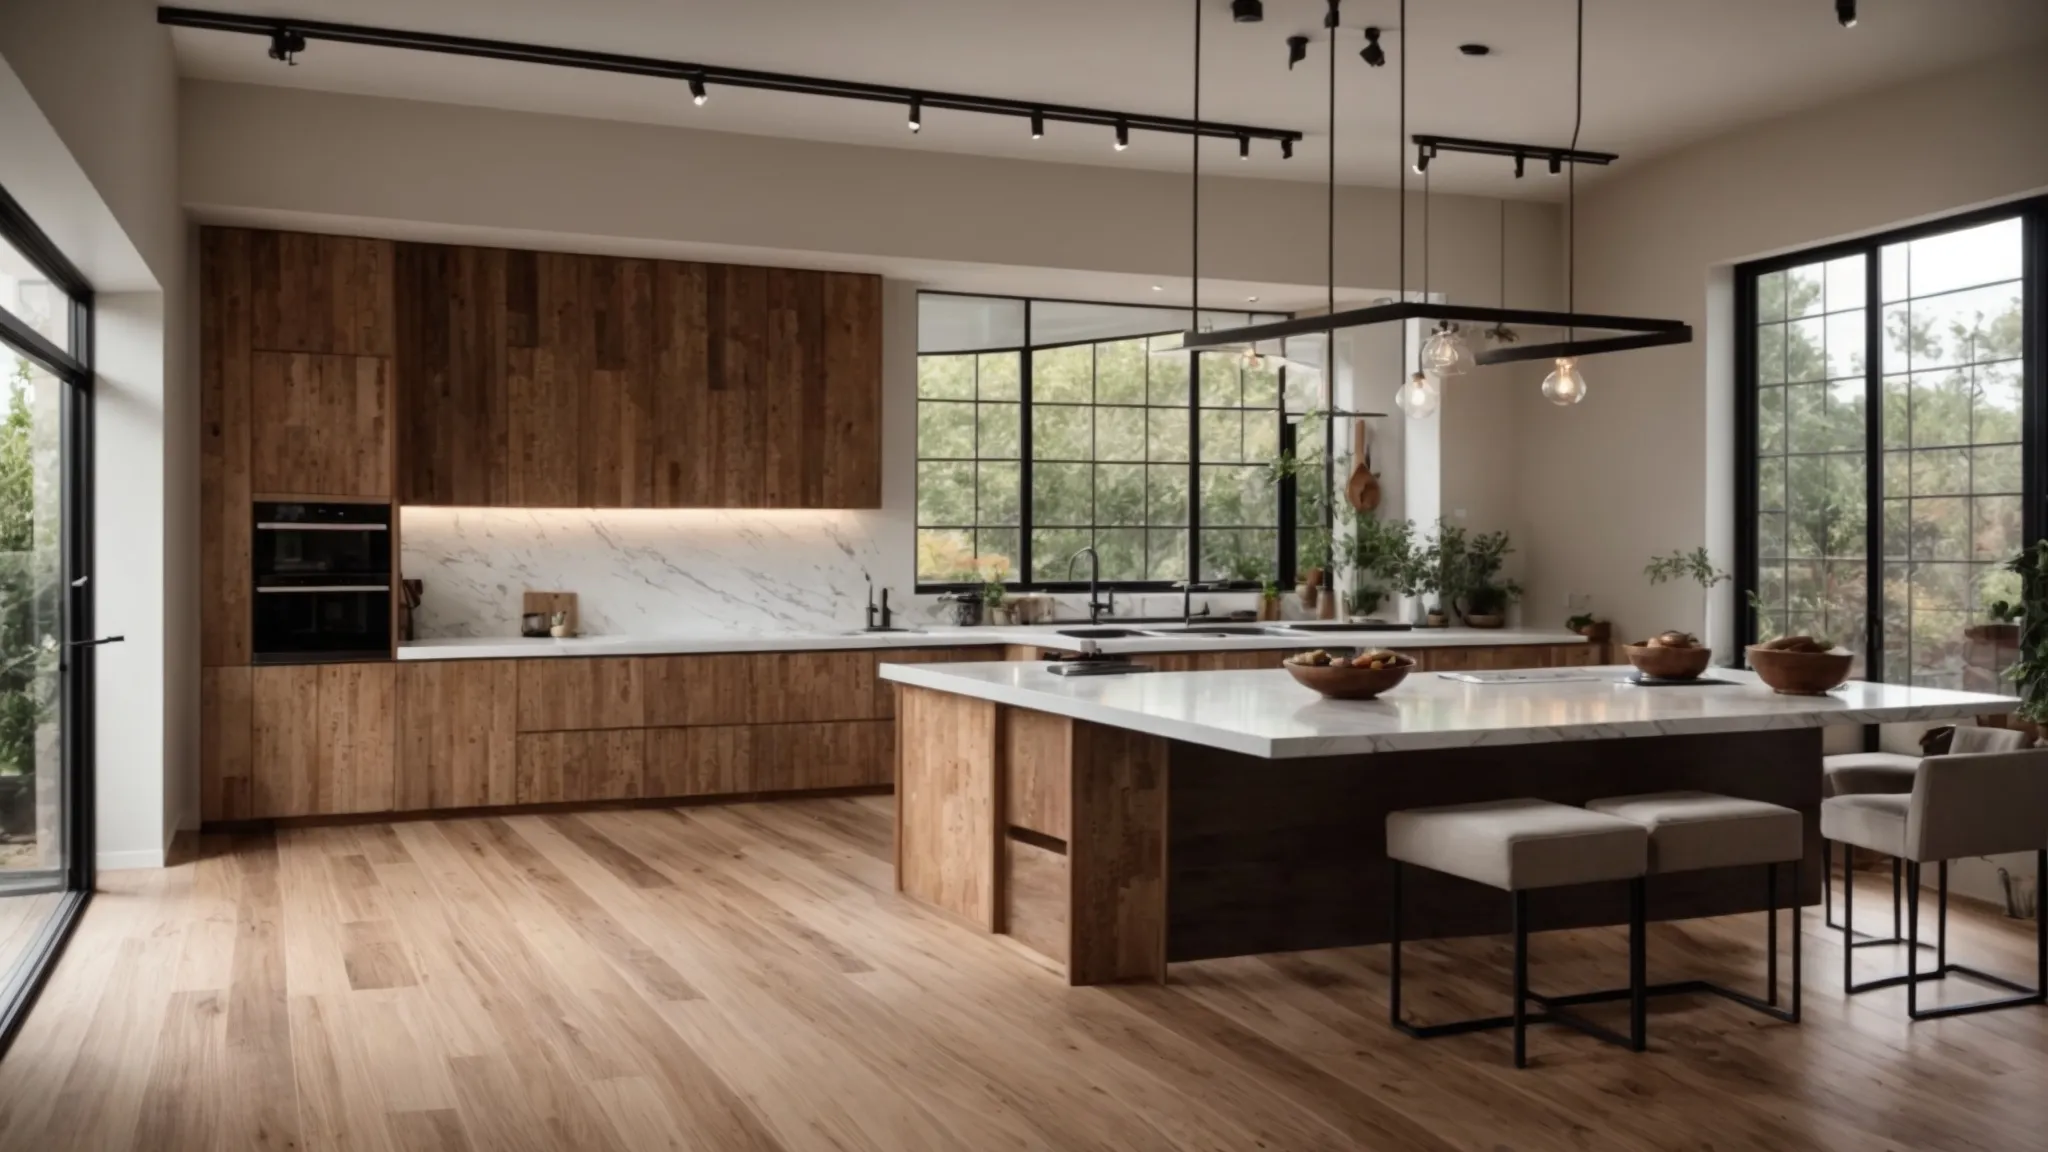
(1636, 331)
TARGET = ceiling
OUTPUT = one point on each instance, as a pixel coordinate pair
(1659, 73)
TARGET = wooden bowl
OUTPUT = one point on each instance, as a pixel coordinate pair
(1346, 682)
(1799, 673)
(1669, 663)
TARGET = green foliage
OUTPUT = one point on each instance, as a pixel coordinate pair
(1482, 589)
(1696, 566)
(2030, 673)
(1581, 620)
(1380, 554)
(28, 586)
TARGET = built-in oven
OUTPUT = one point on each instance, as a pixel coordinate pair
(322, 582)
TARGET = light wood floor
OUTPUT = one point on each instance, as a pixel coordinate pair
(745, 978)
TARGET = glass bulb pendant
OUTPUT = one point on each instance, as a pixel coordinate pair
(1445, 353)
(1564, 386)
(1419, 397)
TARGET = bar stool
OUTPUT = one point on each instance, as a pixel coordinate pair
(1973, 804)
(1891, 774)
(1517, 845)
(1694, 831)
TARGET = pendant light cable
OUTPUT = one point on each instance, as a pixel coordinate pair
(1571, 242)
(1503, 252)
(1401, 173)
(1330, 196)
(1195, 193)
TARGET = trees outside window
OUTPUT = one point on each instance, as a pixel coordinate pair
(1885, 445)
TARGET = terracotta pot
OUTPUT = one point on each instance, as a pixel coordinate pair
(1799, 673)
(1484, 620)
(1309, 593)
(1669, 663)
(1435, 620)
(1348, 683)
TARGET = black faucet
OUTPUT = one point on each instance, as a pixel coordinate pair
(884, 627)
(1188, 588)
(1095, 607)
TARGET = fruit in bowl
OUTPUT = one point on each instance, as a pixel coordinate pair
(1800, 665)
(1670, 656)
(1360, 676)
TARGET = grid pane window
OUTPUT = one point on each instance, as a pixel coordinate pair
(969, 437)
(1933, 384)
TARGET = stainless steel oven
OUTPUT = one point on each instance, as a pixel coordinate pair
(322, 582)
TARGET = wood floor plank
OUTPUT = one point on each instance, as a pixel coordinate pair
(746, 977)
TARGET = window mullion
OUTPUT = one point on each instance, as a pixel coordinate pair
(1873, 463)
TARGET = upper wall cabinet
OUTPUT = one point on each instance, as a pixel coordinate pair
(322, 294)
(549, 380)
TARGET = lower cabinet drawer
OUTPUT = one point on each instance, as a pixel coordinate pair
(599, 765)
(718, 759)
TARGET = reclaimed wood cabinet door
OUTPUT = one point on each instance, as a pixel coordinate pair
(714, 760)
(560, 694)
(457, 721)
(322, 739)
(564, 766)
(330, 295)
(225, 759)
(320, 425)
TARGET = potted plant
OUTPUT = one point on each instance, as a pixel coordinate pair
(1380, 554)
(1437, 573)
(1592, 627)
(1696, 566)
(1269, 598)
(993, 594)
(2029, 673)
(1485, 595)
(1311, 559)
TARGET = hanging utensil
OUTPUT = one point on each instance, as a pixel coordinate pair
(1362, 487)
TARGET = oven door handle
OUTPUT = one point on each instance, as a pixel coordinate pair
(303, 588)
(289, 526)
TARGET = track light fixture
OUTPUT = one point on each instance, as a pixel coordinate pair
(1297, 51)
(1123, 135)
(1556, 164)
(1423, 155)
(1244, 147)
(1845, 13)
(285, 45)
(1518, 165)
(1247, 11)
(1037, 124)
(1286, 149)
(916, 113)
(1330, 18)
(698, 94)
(1372, 53)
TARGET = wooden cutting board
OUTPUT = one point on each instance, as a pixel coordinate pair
(1362, 487)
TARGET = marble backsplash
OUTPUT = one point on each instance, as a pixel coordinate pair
(646, 572)
(676, 572)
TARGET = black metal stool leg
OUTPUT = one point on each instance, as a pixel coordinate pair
(1941, 916)
(1798, 926)
(1394, 945)
(1895, 897)
(1638, 967)
(1771, 935)
(1848, 918)
(1912, 941)
(1521, 910)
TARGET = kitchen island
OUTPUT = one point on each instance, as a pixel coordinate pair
(1118, 824)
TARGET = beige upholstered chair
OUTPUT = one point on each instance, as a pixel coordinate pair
(1517, 845)
(1693, 831)
(1891, 773)
(1962, 804)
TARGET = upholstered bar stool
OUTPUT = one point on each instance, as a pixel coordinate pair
(1886, 773)
(1972, 804)
(1694, 831)
(1516, 846)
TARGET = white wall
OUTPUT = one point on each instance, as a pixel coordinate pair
(102, 83)
(1646, 463)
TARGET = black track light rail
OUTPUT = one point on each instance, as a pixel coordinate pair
(1638, 331)
(1431, 145)
(711, 74)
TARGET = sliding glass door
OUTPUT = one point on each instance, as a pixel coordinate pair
(1887, 470)
(45, 601)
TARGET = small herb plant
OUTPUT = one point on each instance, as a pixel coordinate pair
(1697, 567)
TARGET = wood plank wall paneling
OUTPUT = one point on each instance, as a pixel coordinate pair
(224, 479)
(1116, 856)
(555, 380)
(456, 724)
(321, 425)
(947, 839)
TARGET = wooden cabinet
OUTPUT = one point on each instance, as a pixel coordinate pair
(723, 759)
(321, 425)
(323, 294)
(557, 380)
(225, 756)
(562, 766)
(558, 694)
(456, 723)
(225, 520)
(322, 738)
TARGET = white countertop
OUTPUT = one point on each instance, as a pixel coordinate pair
(1042, 636)
(1265, 713)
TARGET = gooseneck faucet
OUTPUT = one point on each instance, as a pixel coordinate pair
(884, 626)
(1095, 607)
(1188, 588)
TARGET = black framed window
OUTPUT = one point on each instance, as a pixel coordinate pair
(1889, 457)
(1159, 459)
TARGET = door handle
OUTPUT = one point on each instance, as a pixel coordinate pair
(96, 643)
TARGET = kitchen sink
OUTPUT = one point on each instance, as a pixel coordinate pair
(1101, 633)
(1351, 626)
(1217, 630)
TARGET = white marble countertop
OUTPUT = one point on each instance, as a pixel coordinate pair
(1265, 713)
(1042, 636)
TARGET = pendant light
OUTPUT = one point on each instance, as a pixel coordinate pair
(1444, 353)
(1418, 396)
(1501, 334)
(1564, 386)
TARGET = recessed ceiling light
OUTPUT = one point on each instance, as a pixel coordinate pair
(1251, 299)
(1157, 288)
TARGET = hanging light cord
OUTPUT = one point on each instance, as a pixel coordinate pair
(1195, 194)
(1571, 242)
(1401, 172)
(1330, 209)
(1425, 235)
(1503, 252)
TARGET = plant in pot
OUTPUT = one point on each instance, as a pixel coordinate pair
(1696, 566)
(2029, 674)
(1380, 554)
(1437, 572)
(1590, 626)
(1484, 595)
(1269, 598)
(1312, 541)
(1312, 560)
